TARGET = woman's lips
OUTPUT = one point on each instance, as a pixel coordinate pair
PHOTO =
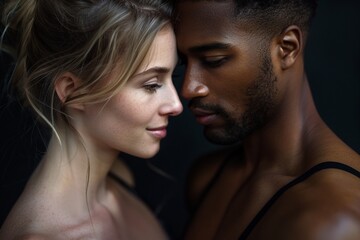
(159, 132)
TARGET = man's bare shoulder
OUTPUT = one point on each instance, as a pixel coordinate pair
(203, 171)
(319, 222)
(315, 224)
(326, 206)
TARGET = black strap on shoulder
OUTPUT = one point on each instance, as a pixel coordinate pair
(282, 190)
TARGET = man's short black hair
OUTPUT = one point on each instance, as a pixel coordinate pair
(274, 16)
(271, 17)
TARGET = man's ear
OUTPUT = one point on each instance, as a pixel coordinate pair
(65, 85)
(290, 46)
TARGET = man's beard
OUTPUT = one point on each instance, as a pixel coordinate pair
(261, 100)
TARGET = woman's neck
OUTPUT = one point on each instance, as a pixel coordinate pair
(75, 169)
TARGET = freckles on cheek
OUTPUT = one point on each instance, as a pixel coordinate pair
(130, 110)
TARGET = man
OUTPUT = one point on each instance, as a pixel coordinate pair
(286, 175)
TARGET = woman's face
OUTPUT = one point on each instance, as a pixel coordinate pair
(135, 119)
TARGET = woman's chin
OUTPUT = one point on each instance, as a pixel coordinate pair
(146, 154)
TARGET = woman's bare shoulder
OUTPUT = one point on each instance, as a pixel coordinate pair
(32, 236)
(19, 231)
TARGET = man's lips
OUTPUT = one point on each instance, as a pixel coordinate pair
(203, 116)
(158, 132)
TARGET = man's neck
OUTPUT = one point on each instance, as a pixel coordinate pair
(285, 140)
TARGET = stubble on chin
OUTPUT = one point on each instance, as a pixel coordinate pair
(261, 97)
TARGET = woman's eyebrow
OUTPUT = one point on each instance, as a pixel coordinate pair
(156, 69)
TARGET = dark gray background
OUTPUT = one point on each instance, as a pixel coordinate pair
(333, 66)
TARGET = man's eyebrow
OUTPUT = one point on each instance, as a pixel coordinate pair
(209, 47)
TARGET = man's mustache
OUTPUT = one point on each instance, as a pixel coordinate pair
(197, 103)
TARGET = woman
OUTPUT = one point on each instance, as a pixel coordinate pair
(98, 73)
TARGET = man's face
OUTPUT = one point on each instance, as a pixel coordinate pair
(228, 80)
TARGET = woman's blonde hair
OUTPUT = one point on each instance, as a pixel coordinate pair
(88, 38)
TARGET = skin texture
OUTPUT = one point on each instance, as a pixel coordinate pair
(126, 122)
(63, 192)
(233, 115)
(246, 88)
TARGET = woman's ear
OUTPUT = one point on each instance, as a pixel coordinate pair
(65, 85)
(290, 46)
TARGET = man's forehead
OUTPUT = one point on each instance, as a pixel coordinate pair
(203, 18)
(220, 1)
(202, 23)
(208, 8)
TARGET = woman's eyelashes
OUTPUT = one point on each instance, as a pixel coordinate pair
(152, 88)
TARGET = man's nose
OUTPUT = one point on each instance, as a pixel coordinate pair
(193, 84)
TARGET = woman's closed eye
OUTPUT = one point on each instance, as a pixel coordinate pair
(153, 87)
